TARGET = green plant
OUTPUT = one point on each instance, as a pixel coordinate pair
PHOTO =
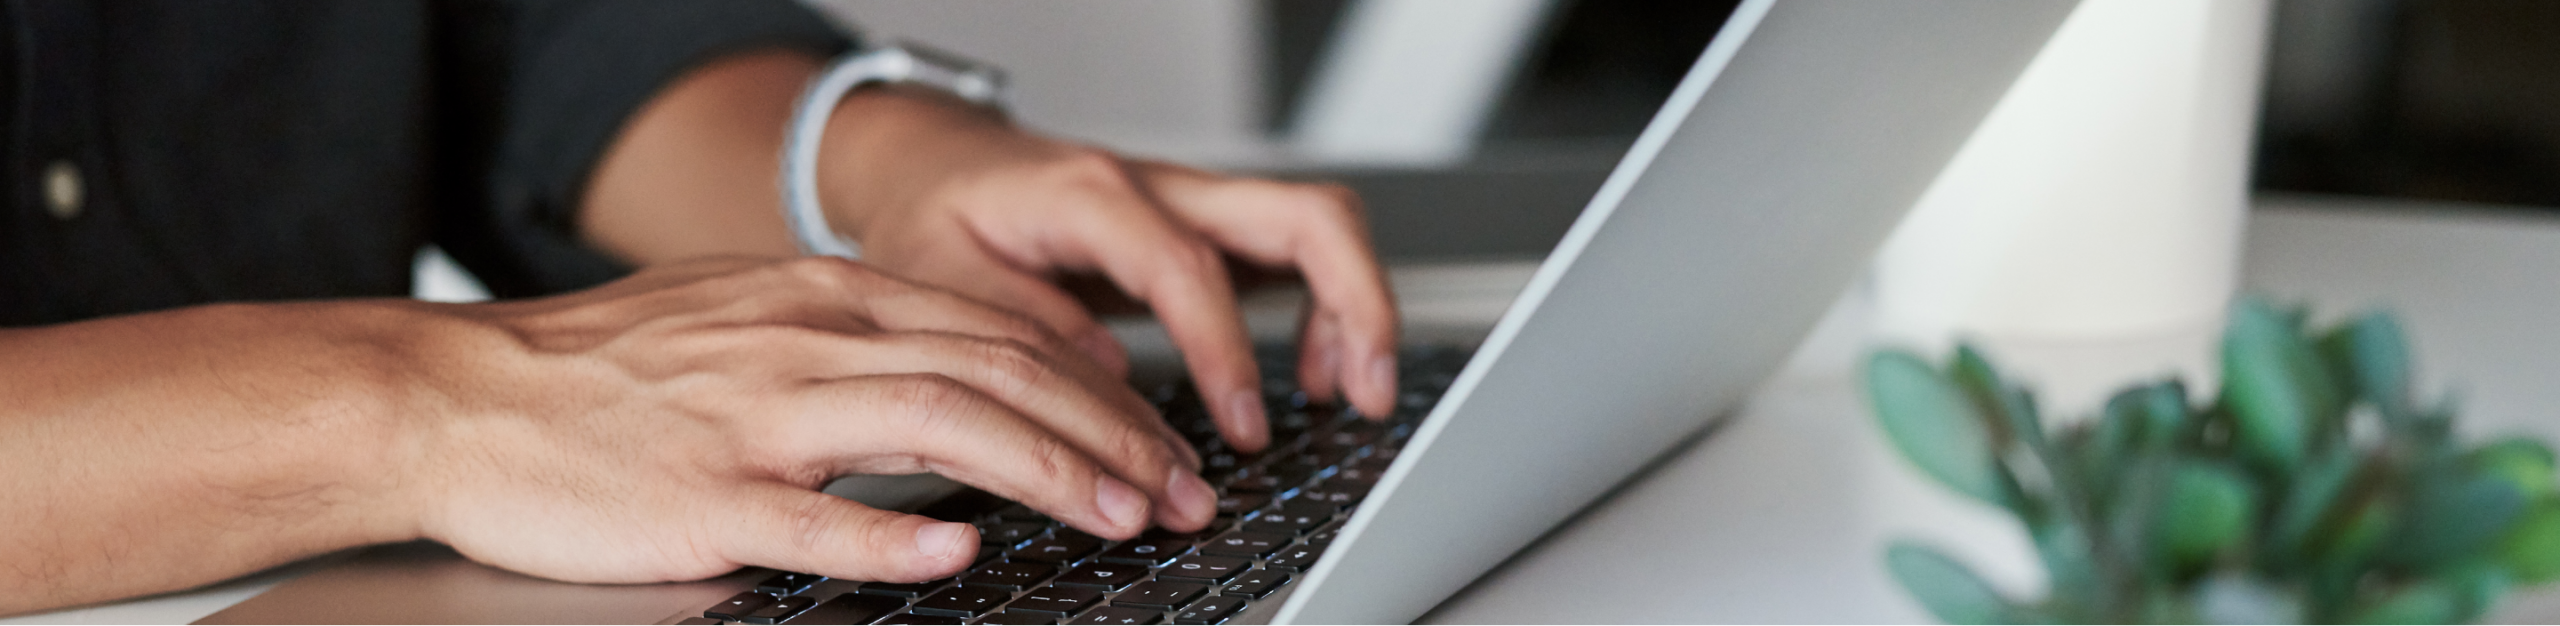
(2317, 487)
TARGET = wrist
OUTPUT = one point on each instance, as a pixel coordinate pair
(886, 145)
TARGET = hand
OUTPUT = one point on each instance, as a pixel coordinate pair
(951, 195)
(676, 425)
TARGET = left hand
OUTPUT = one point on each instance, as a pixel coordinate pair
(953, 195)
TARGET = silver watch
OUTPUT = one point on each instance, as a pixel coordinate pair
(975, 82)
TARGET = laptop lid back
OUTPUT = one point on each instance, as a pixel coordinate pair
(1758, 192)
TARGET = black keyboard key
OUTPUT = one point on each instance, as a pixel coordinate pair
(1009, 575)
(787, 583)
(1210, 611)
(902, 590)
(1255, 584)
(738, 606)
(1300, 558)
(1057, 601)
(850, 608)
(1269, 479)
(962, 601)
(1337, 494)
(1061, 549)
(915, 619)
(1358, 474)
(1121, 615)
(1019, 617)
(1160, 595)
(1148, 551)
(1241, 503)
(1289, 425)
(1292, 518)
(1112, 576)
(1371, 464)
(1020, 513)
(1010, 533)
(781, 610)
(1346, 439)
(1324, 536)
(1204, 569)
(1245, 544)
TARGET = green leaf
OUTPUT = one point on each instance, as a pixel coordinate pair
(2071, 570)
(2531, 550)
(2012, 413)
(2477, 584)
(2452, 516)
(2422, 602)
(2277, 392)
(1934, 424)
(2521, 461)
(1950, 590)
(2208, 507)
(2359, 534)
(2372, 355)
(2315, 492)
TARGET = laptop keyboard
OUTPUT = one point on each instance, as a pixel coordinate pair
(1277, 512)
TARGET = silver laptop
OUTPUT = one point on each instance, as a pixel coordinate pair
(1757, 193)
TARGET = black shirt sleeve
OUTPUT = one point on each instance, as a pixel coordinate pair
(531, 94)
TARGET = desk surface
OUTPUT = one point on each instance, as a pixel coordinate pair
(1782, 515)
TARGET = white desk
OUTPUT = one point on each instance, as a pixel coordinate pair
(1781, 516)
(1784, 515)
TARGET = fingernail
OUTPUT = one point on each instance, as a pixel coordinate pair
(941, 540)
(1191, 496)
(1382, 373)
(1244, 412)
(1122, 504)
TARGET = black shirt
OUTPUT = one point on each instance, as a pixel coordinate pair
(283, 149)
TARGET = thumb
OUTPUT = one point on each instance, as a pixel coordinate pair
(797, 530)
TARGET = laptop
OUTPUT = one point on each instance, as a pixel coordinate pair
(1754, 197)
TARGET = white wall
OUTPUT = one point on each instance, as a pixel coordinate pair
(1180, 79)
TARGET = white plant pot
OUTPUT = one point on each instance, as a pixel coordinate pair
(2092, 224)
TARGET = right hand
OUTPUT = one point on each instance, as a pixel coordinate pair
(677, 425)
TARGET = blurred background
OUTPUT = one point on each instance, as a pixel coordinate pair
(1511, 111)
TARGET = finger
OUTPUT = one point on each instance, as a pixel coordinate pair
(900, 306)
(798, 530)
(1318, 229)
(951, 428)
(1130, 239)
(1101, 419)
(981, 277)
(1319, 354)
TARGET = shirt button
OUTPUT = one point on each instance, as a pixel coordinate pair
(63, 192)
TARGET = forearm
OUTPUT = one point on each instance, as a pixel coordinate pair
(696, 171)
(693, 173)
(158, 452)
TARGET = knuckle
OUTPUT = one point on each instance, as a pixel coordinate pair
(1052, 458)
(932, 402)
(1010, 364)
(828, 272)
(1139, 448)
(808, 525)
(1093, 167)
